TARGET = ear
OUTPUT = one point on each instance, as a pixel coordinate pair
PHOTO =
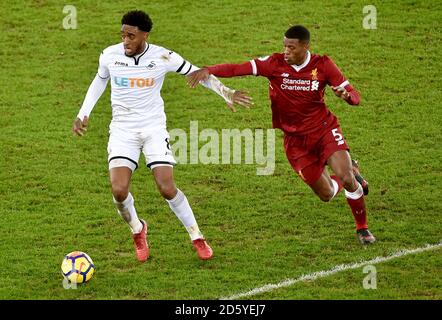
(146, 35)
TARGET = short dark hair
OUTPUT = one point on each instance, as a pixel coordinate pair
(138, 18)
(298, 32)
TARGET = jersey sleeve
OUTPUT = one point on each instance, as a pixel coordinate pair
(334, 76)
(94, 93)
(228, 70)
(178, 64)
(262, 66)
(103, 71)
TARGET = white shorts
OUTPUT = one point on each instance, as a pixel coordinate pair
(125, 146)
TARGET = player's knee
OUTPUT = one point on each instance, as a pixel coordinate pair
(120, 192)
(168, 191)
(325, 196)
(347, 179)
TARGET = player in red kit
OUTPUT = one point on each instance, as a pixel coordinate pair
(312, 135)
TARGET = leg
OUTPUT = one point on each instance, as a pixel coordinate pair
(179, 204)
(123, 154)
(176, 199)
(304, 160)
(163, 176)
(341, 164)
(325, 187)
(120, 181)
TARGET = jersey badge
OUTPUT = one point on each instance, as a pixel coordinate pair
(151, 66)
(314, 74)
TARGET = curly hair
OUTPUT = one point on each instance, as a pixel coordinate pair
(138, 18)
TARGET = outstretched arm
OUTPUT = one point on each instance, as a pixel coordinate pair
(229, 95)
(206, 77)
(94, 93)
(220, 70)
(179, 65)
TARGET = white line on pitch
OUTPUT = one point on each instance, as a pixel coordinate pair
(336, 269)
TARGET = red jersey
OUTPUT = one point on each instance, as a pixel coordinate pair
(297, 92)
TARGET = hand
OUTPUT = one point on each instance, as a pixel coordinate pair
(79, 127)
(241, 98)
(341, 92)
(195, 77)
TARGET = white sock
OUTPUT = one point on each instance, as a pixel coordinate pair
(126, 210)
(355, 195)
(180, 206)
(335, 187)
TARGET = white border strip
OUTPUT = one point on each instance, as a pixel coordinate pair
(254, 69)
(336, 269)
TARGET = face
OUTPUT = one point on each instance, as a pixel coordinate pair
(133, 39)
(295, 51)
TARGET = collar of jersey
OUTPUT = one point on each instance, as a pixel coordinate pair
(306, 62)
(137, 57)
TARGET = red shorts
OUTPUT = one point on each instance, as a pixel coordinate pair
(308, 154)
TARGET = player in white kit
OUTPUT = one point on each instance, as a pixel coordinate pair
(136, 70)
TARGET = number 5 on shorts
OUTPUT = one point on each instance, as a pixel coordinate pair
(338, 137)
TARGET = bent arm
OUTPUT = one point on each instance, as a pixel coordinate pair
(353, 97)
(339, 84)
(346, 92)
(94, 93)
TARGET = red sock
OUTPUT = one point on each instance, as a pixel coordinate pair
(359, 212)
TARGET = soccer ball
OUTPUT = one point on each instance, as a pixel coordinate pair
(77, 267)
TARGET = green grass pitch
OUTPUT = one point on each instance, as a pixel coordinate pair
(54, 191)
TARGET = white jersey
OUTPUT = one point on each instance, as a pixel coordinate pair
(136, 84)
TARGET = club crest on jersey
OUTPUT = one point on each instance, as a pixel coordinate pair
(133, 82)
(314, 74)
(151, 66)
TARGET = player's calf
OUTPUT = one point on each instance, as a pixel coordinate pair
(359, 177)
(323, 188)
(325, 197)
